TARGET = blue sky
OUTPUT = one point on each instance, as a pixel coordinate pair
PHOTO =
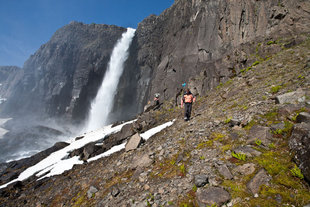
(27, 24)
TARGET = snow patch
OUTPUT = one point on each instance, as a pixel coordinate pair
(58, 162)
(146, 135)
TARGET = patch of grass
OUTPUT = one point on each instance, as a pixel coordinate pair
(275, 89)
(271, 116)
(258, 142)
(255, 63)
(296, 197)
(182, 169)
(297, 172)
(301, 77)
(239, 156)
(189, 200)
(219, 85)
(273, 162)
(79, 199)
(226, 147)
(237, 189)
(227, 120)
(271, 146)
(250, 125)
(271, 42)
(214, 137)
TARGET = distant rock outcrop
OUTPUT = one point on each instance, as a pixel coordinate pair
(63, 76)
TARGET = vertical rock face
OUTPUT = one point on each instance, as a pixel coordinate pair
(203, 43)
(63, 76)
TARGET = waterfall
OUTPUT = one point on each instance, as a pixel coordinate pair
(103, 103)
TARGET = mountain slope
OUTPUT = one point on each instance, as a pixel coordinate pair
(189, 161)
(63, 76)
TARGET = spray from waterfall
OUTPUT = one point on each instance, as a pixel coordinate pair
(103, 103)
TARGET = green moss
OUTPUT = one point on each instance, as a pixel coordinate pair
(301, 77)
(79, 199)
(271, 42)
(255, 63)
(226, 147)
(219, 86)
(271, 116)
(227, 120)
(250, 125)
(275, 89)
(297, 172)
(237, 189)
(273, 162)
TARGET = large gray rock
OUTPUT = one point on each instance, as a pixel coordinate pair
(141, 161)
(224, 171)
(299, 142)
(259, 132)
(91, 192)
(212, 195)
(261, 178)
(133, 142)
(200, 180)
(246, 169)
(291, 98)
(247, 150)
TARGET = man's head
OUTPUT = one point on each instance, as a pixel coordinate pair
(187, 91)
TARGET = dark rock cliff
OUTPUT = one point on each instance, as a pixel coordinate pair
(63, 76)
(204, 43)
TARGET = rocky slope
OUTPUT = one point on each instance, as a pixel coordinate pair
(245, 145)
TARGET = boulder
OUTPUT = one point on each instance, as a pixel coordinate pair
(141, 161)
(246, 169)
(126, 131)
(259, 132)
(133, 142)
(247, 150)
(211, 196)
(200, 180)
(224, 171)
(303, 117)
(261, 178)
(299, 143)
(90, 150)
(291, 98)
(92, 190)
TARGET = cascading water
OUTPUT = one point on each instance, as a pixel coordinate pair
(102, 104)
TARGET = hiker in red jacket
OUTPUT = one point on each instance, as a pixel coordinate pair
(188, 99)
